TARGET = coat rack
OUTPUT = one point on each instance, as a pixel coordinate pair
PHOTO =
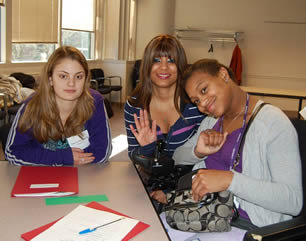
(208, 35)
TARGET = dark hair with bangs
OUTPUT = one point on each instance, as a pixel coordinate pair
(208, 66)
(159, 46)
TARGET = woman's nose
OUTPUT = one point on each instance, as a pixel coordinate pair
(164, 63)
(202, 102)
(71, 81)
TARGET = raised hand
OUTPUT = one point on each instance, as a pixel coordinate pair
(144, 133)
(209, 142)
(80, 157)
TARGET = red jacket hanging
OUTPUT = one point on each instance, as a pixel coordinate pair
(236, 64)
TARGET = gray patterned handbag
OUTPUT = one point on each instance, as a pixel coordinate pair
(213, 213)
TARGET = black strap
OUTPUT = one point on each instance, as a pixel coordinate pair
(237, 159)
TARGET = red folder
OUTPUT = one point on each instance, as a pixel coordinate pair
(65, 178)
(140, 226)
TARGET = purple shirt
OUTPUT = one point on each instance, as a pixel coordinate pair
(221, 160)
(24, 149)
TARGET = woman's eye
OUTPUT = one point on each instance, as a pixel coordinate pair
(171, 60)
(156, 60)
(79, 76)
(203, 91)
(62, 76)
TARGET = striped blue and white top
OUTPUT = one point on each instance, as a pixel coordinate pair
(179, 133)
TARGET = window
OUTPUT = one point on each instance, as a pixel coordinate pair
(34, 36)
(78, 25)
(32, 52)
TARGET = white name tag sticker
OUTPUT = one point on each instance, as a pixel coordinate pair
(76, 141)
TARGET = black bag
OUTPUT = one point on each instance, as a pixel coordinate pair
(26, 80)
(160, 169)
(213, 213)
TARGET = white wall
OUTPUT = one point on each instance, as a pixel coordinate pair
(274, 55)
(154, 17)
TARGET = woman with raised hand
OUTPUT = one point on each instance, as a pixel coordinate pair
(63, 122)
(158, 108)
(266, 180)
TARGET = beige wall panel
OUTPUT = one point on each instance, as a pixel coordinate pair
(274, 54)
(153, 17)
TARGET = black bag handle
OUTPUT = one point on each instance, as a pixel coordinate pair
(237, 159)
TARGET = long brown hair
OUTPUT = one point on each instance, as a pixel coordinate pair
(159, 46)
(41, 113)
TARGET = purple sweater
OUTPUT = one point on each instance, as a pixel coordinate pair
(24, 149)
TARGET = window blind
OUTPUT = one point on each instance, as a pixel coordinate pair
(35, 21)
(78, 15)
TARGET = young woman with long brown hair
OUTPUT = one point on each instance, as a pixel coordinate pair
(160, 102)
(63, 122)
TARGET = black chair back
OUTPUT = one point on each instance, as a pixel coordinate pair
(135, 73)
(300, 126)
(97, 73)
(293, 229)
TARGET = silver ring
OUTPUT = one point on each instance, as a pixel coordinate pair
(82, 160)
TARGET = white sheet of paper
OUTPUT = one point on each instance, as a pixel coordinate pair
(68, 228)
(235, 234)
(76, 141)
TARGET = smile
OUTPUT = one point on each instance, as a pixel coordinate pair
(163, 76)
(210, 105)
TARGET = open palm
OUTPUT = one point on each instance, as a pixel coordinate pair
(144, 133)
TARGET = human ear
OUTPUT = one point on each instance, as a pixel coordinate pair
(224, 74)
(50, 81)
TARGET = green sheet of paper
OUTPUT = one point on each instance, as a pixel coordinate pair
(76, 199)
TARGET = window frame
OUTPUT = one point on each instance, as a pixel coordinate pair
(93, 33)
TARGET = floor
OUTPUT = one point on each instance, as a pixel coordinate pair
(119, 140)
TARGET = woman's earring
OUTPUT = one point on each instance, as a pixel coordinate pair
(226, 80)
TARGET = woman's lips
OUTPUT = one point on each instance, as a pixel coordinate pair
(163, 76)
(70, 91)
(210, 106)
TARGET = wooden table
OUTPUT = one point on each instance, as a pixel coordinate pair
(281, 93)
(118, 180)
